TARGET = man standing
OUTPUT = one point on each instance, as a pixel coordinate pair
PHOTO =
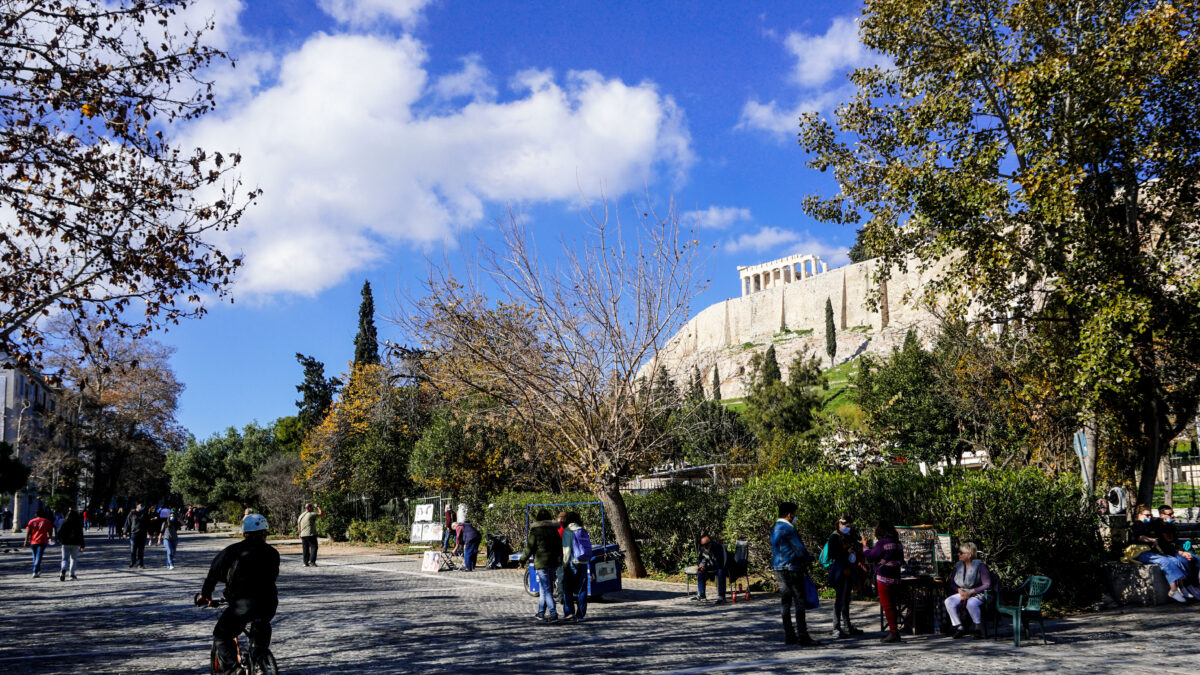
(37, 538)
(790, 559)
(543, 550)
(70, 536)
(448, 533)
(137, 528)
(561, 582)
(306, 525)
(710, 564)
(171, 538)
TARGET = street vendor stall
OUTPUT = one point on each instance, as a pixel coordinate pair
(604, 568)
(919, 597)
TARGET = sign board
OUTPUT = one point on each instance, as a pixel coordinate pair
(425, 532)
(945, 549)
(920, 544)
(606, 571)
(431, 561)
(424, 513)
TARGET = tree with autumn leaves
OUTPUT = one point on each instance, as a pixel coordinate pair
(1041, 158)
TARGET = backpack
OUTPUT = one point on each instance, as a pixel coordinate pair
(581, 545)
(826, 560)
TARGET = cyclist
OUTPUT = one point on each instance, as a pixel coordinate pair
(249, 569)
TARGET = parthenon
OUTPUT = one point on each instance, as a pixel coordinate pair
(766, 275)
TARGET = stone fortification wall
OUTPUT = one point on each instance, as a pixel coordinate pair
(792, 317)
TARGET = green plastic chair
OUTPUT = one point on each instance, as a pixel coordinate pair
(1028, 605)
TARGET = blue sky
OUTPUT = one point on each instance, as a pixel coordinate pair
(382, 131)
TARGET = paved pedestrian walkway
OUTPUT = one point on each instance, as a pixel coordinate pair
(364, 611)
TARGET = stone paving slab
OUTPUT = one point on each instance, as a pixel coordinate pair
(366, 611)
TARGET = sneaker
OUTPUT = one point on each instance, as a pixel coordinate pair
(806, 641)
(553, 619)
(839, 634)
(1195, 591)
(959, 633)
(719, 601)
(306, 564)
(62, 576)
(141, 567)
(854, 631)
(170, 567)
(74, 578)
(539, 617)
(698, 598)
(35, 575)
(891, 637)
(132, 565)
(568, 617)
(1177, 596)
(579, 618)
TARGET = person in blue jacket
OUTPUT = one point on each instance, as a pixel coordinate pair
(790, 560)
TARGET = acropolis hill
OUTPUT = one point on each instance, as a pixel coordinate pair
(783, 303)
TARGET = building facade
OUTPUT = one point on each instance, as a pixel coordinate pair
(28, 401)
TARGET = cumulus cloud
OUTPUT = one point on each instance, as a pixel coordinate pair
(780, 242)
(715, 217)
(352, 162)
(822, 61)
(473, 81)
(366, 12)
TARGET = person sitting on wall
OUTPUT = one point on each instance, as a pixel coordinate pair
(710, 564)
(1160, 535)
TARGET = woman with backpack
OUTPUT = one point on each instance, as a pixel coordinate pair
(842, 553)
(576, 564)
(888, 556)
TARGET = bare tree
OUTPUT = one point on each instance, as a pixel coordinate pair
(569, 351)
(279, 491)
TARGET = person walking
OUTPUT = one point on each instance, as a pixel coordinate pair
(790, 561)
(845, 551)
(137, 529)
(560, 581)
(171, 538)
(888, 555)
(306, 526)
(70, 537)
(543, 550)
(577, 559)
(37, 537)
(87, 523)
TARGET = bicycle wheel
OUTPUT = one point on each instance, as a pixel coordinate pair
(528, 573)
(267, 665)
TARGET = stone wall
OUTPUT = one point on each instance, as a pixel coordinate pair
(792, 317)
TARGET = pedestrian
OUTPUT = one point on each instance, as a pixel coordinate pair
(110, 519)
(70, 537)
(137, 529)
(306, 526)
(37, 537)
(577, 560)
(560, 581)
(845, 552)
(119, 521)
(888, 556)
(790, 561)
(87, 523)
(543, 550)
(188, 520)
(171, 538)
(467, 541)
(202, 518)
(5, 518)
(448, 532)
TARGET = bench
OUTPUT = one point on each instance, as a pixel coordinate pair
(1136, 583)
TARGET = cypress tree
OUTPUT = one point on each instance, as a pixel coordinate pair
(316, 392)
(695, 392)
(770, 366)
(830, 333)
(716, 385)
(366, 343)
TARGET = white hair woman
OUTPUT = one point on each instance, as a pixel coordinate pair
(971, 582)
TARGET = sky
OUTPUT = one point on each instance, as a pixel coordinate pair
(384, 133)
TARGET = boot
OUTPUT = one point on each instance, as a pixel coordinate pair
(891, 637)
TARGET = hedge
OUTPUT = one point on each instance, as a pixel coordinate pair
(666, 523)
(1027, 522)
(378, 531)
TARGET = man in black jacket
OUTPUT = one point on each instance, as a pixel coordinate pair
(710, 564)
(137, 528)
(249, 569)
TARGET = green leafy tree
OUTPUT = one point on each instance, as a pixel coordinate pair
(784, 416)
(1040, 160)
(906, 407)
(695, 390)
(766, 368)
(366, 342)
(858, 252)
(830, 332)
(316, 392)
(716, 385)
(13, 474)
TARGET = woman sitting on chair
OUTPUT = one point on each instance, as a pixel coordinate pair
(971, 583)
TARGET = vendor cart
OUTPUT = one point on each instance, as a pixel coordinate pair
(604, 568)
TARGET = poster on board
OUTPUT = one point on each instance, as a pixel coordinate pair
(431, 561)
(425, 533)
(424, 513)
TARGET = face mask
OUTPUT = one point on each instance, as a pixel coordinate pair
(845, 529)
(1145, 519)
(1168, 520)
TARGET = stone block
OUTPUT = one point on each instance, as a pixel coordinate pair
(1137, 584)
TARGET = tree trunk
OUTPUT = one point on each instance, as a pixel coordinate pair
(1150, 459)
(618, 517)
(1168, 479)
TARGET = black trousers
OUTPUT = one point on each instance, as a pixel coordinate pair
(310, 549)
(137, 549)
(841, 602)
(252, 616)
(791, 591)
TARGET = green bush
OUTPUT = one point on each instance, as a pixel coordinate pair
(505, 514)
(229, 512)
(336, 516)
(1026, 521)
(378, 531)
(357, 531)
(668, 524)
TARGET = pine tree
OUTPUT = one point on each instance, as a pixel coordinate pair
(830, 333)
(716, 385)
(366, 343)
(695, 391)
(770, 366)
(316, 392)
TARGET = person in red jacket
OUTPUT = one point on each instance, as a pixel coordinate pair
(37, 538)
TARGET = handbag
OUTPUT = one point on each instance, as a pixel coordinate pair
(1132, 551)
(812, 599)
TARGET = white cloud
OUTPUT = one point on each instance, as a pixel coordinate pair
(786, 242)
(715, 217)
(821, 57)
(472, 82)
(352, 163)
(366, 12)
(822, 61)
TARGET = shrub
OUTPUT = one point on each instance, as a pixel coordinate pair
(668, 523)
(505, 514)
(378, 531)
(336, 516)
(1024, 519)
(229, 512)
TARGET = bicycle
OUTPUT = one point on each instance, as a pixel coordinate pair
(248, 663)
